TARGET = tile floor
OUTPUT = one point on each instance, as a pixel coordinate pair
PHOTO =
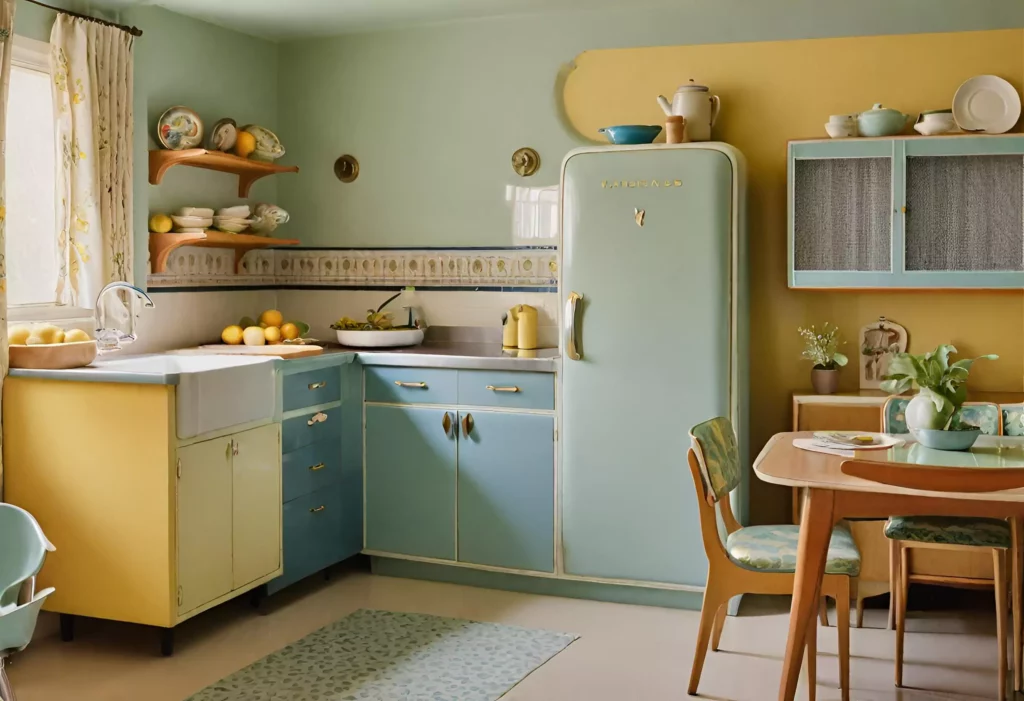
(626, 653)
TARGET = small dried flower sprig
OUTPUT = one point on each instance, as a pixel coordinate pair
(822, 347)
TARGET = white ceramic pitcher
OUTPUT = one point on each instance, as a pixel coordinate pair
(697, 105)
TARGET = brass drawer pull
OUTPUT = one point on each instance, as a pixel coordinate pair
(317, 418)
(318, 466)
(317, 385)
(317, 509)
(501, 389)
(467, 425)
(419, 385)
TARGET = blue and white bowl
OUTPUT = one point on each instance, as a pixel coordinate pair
(631, 133)
(945, 440)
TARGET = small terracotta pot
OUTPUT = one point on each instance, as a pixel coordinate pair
(825, 381)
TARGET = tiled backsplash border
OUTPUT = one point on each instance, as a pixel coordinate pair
(513, 269)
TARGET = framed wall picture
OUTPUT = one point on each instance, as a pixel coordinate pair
(879, 342)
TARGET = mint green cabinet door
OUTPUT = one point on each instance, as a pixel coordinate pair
(507, 490)
(410, 481)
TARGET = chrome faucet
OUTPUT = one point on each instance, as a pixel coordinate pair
(112, 339)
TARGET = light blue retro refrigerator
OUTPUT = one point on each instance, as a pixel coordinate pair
(654, 325)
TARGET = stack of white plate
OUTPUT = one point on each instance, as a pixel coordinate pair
(204, 212)
(242, 211)
(233, 225)
(191, 224)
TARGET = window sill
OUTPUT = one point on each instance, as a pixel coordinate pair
(51, 313)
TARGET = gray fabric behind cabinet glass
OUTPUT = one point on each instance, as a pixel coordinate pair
(965, 213)
(842, 214)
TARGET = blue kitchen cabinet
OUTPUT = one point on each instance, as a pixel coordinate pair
(410, 480)
(915, 213)
(322, 515)
(506, 490)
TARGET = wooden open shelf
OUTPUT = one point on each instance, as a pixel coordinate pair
(247, 170)
(161, 245)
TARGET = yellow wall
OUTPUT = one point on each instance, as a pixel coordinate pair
(773, 92)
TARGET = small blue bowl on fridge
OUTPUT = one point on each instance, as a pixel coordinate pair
(631, 133)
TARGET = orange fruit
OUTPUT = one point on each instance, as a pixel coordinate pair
(245, 144)
(290, 331)
(271, 317)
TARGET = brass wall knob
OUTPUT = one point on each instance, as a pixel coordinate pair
(525, 161)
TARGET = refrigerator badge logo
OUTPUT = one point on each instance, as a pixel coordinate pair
(608, 184)
(638, 215)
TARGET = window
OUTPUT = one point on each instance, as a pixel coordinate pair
(31, 184)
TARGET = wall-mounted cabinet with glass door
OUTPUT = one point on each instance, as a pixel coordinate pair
(913, 212)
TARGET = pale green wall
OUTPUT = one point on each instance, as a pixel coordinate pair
(182, 61)
(433, 114)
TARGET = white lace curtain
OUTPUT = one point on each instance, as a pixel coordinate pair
(92, 97)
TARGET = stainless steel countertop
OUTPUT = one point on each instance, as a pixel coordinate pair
(466, 356)
(441, 354)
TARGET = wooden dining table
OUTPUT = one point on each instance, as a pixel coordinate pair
(832, 495)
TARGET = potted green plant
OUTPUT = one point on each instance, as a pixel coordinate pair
(822, 349)
(932, 414)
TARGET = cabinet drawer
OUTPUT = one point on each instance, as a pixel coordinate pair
(310, 428)
(310, 468)
(512, 390)
(411, 385)
(311, 533)
(311, 388)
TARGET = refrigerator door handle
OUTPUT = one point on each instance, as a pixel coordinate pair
(570, 326)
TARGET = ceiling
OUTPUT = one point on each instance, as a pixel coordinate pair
(280, 20)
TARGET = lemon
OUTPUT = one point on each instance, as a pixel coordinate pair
(245, 144)
(272, 334)
(47, 333)
(18, 335)
(76, 336)
(271, 317)
(160, 223)
(232, 335)
(290, 331)
(253, 336)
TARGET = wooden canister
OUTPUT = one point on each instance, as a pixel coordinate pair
(675, 130)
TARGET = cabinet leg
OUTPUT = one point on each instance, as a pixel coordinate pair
(327, 574)
(167, 641)
(257, 599)
(67, 627)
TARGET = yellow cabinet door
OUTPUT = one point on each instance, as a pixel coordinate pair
(204, 523)
(256, 508)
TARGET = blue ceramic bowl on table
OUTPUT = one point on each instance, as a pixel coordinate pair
(945, 440)
(631, 133)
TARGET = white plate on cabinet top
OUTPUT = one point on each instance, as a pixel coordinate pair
(987, 104)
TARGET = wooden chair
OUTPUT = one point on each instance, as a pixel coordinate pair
(950, 533)
(756, 559)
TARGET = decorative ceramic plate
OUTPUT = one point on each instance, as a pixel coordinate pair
(179, 128)
(355, 338)
(987, 104)
(268, 146)
(223, 135)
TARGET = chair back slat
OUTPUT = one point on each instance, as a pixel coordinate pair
(23, 549)
(718, 454)
(1013, 419)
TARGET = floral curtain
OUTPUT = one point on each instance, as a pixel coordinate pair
(92, 97)
(6, 41)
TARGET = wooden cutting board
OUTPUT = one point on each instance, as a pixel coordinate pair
(283, 351)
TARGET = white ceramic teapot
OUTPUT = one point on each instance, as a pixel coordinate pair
(697, 105)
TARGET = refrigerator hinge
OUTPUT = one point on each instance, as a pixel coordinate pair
(179, 468)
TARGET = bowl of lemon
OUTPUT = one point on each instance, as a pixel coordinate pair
(49, 347)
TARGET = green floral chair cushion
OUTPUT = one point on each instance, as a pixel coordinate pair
(773, 549)
(950, 530)
(984, 416)
(714, 442)
(1013, 419)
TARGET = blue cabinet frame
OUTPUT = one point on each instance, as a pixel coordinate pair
(899, 150)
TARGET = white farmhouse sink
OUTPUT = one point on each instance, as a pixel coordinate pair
(214, 391)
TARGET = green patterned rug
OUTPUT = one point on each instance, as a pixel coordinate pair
(385, 656)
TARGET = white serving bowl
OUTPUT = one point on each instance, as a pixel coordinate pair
(203, 212)
(241, 211)
(192, 222)
(380, 339)
(841, 131)
(232, 227)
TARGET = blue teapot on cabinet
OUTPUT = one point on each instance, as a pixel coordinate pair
(880, 121)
